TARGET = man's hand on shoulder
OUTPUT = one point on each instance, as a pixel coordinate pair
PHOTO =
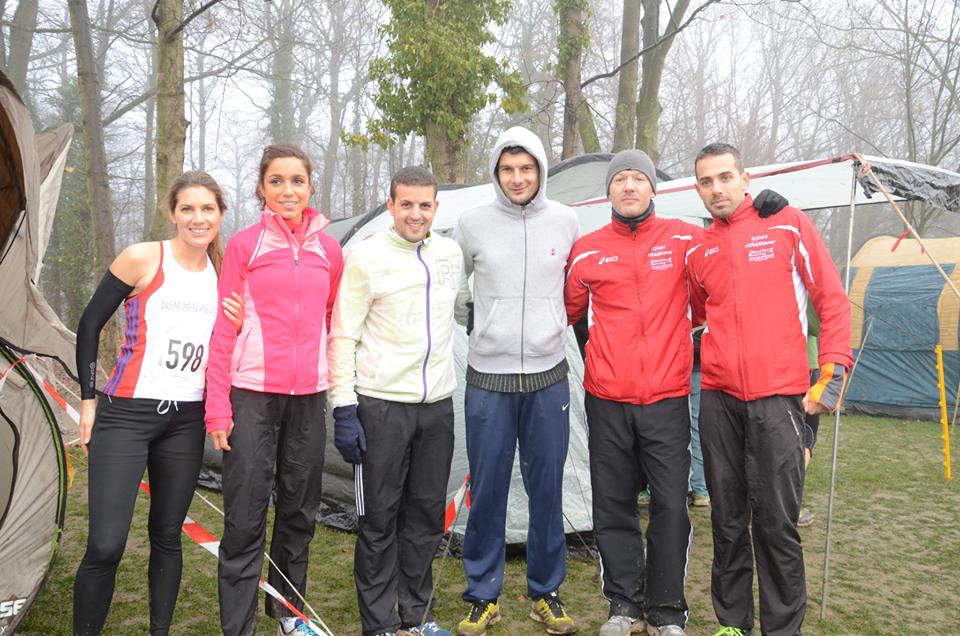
(768, 203)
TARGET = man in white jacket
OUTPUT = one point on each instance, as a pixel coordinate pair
(392, 377)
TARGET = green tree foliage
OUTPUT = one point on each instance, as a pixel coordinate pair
(437, 76)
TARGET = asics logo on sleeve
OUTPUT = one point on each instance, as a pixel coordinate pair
(713, 250)
(608, 259)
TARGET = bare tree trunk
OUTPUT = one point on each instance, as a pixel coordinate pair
(282, 127)
(171, 120)
(376, 193)
(395, 158)
(336, 118)
(98, 183)
(588, 128)
(21, 43)
(648, 104)
(333, 147)
(411, 159)
(448, 157)
(149, 137)
(149, 174)
(201, 126)
(570, 46)
(625, 122)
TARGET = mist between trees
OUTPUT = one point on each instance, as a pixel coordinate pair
(158, 86)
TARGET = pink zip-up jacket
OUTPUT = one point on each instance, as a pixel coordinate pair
(288, 291)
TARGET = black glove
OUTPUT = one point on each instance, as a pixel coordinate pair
(809, 437)
(768, 203)
(469, 318)
(348, 435)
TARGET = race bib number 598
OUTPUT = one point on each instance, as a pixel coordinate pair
(182, 355)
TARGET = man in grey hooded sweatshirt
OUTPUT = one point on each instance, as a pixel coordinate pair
(517, 392)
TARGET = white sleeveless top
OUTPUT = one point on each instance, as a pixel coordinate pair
(167, 334)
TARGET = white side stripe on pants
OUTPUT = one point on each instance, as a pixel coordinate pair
(358, 488)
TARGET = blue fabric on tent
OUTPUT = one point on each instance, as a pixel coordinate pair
(898, 365)
(902, 378)
(903, 303)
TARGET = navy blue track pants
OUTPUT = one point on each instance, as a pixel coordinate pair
(496, 424)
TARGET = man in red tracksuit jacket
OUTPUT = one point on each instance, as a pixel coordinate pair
(630, 277)
(751, 279)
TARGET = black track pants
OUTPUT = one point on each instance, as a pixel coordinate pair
(401, 490)
(753, 459)
(271, 431)
(627, 440)
(131, 434)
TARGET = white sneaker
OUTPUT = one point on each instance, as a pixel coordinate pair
(665, 630)
(622, 626)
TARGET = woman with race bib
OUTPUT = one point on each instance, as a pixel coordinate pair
(150, 412)
(266, 391)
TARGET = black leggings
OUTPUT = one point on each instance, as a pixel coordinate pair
(130, 434)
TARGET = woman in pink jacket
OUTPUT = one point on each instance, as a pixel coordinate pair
(266, 390)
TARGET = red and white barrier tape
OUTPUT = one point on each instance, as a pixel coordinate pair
(197, 533)
(450, 516)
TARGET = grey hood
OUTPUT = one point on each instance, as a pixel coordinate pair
(519, 136)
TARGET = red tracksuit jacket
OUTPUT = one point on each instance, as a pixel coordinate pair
(634, 285)
(751, 279)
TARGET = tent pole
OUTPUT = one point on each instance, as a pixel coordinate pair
(836, 422)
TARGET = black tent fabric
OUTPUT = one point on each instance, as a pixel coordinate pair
(913, 181)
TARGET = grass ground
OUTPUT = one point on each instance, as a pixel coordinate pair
(895, 555)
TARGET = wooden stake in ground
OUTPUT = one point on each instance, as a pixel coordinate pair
(944, 422)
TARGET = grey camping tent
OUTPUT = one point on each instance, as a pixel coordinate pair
(32, 461)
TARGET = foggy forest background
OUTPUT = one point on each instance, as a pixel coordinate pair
(154, 87)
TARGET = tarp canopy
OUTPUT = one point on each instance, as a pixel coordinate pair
(32, 462)
(909, 309)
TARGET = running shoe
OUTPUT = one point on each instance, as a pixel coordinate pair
(482, 614)
(549, 611)
(623, 626)
(430, 628)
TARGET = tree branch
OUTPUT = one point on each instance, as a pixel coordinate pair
(15, 27)
(666, 36)
(187, 20)
(227, 65)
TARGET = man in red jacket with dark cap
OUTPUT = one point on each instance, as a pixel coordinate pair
(751, 279)
(630, 278)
